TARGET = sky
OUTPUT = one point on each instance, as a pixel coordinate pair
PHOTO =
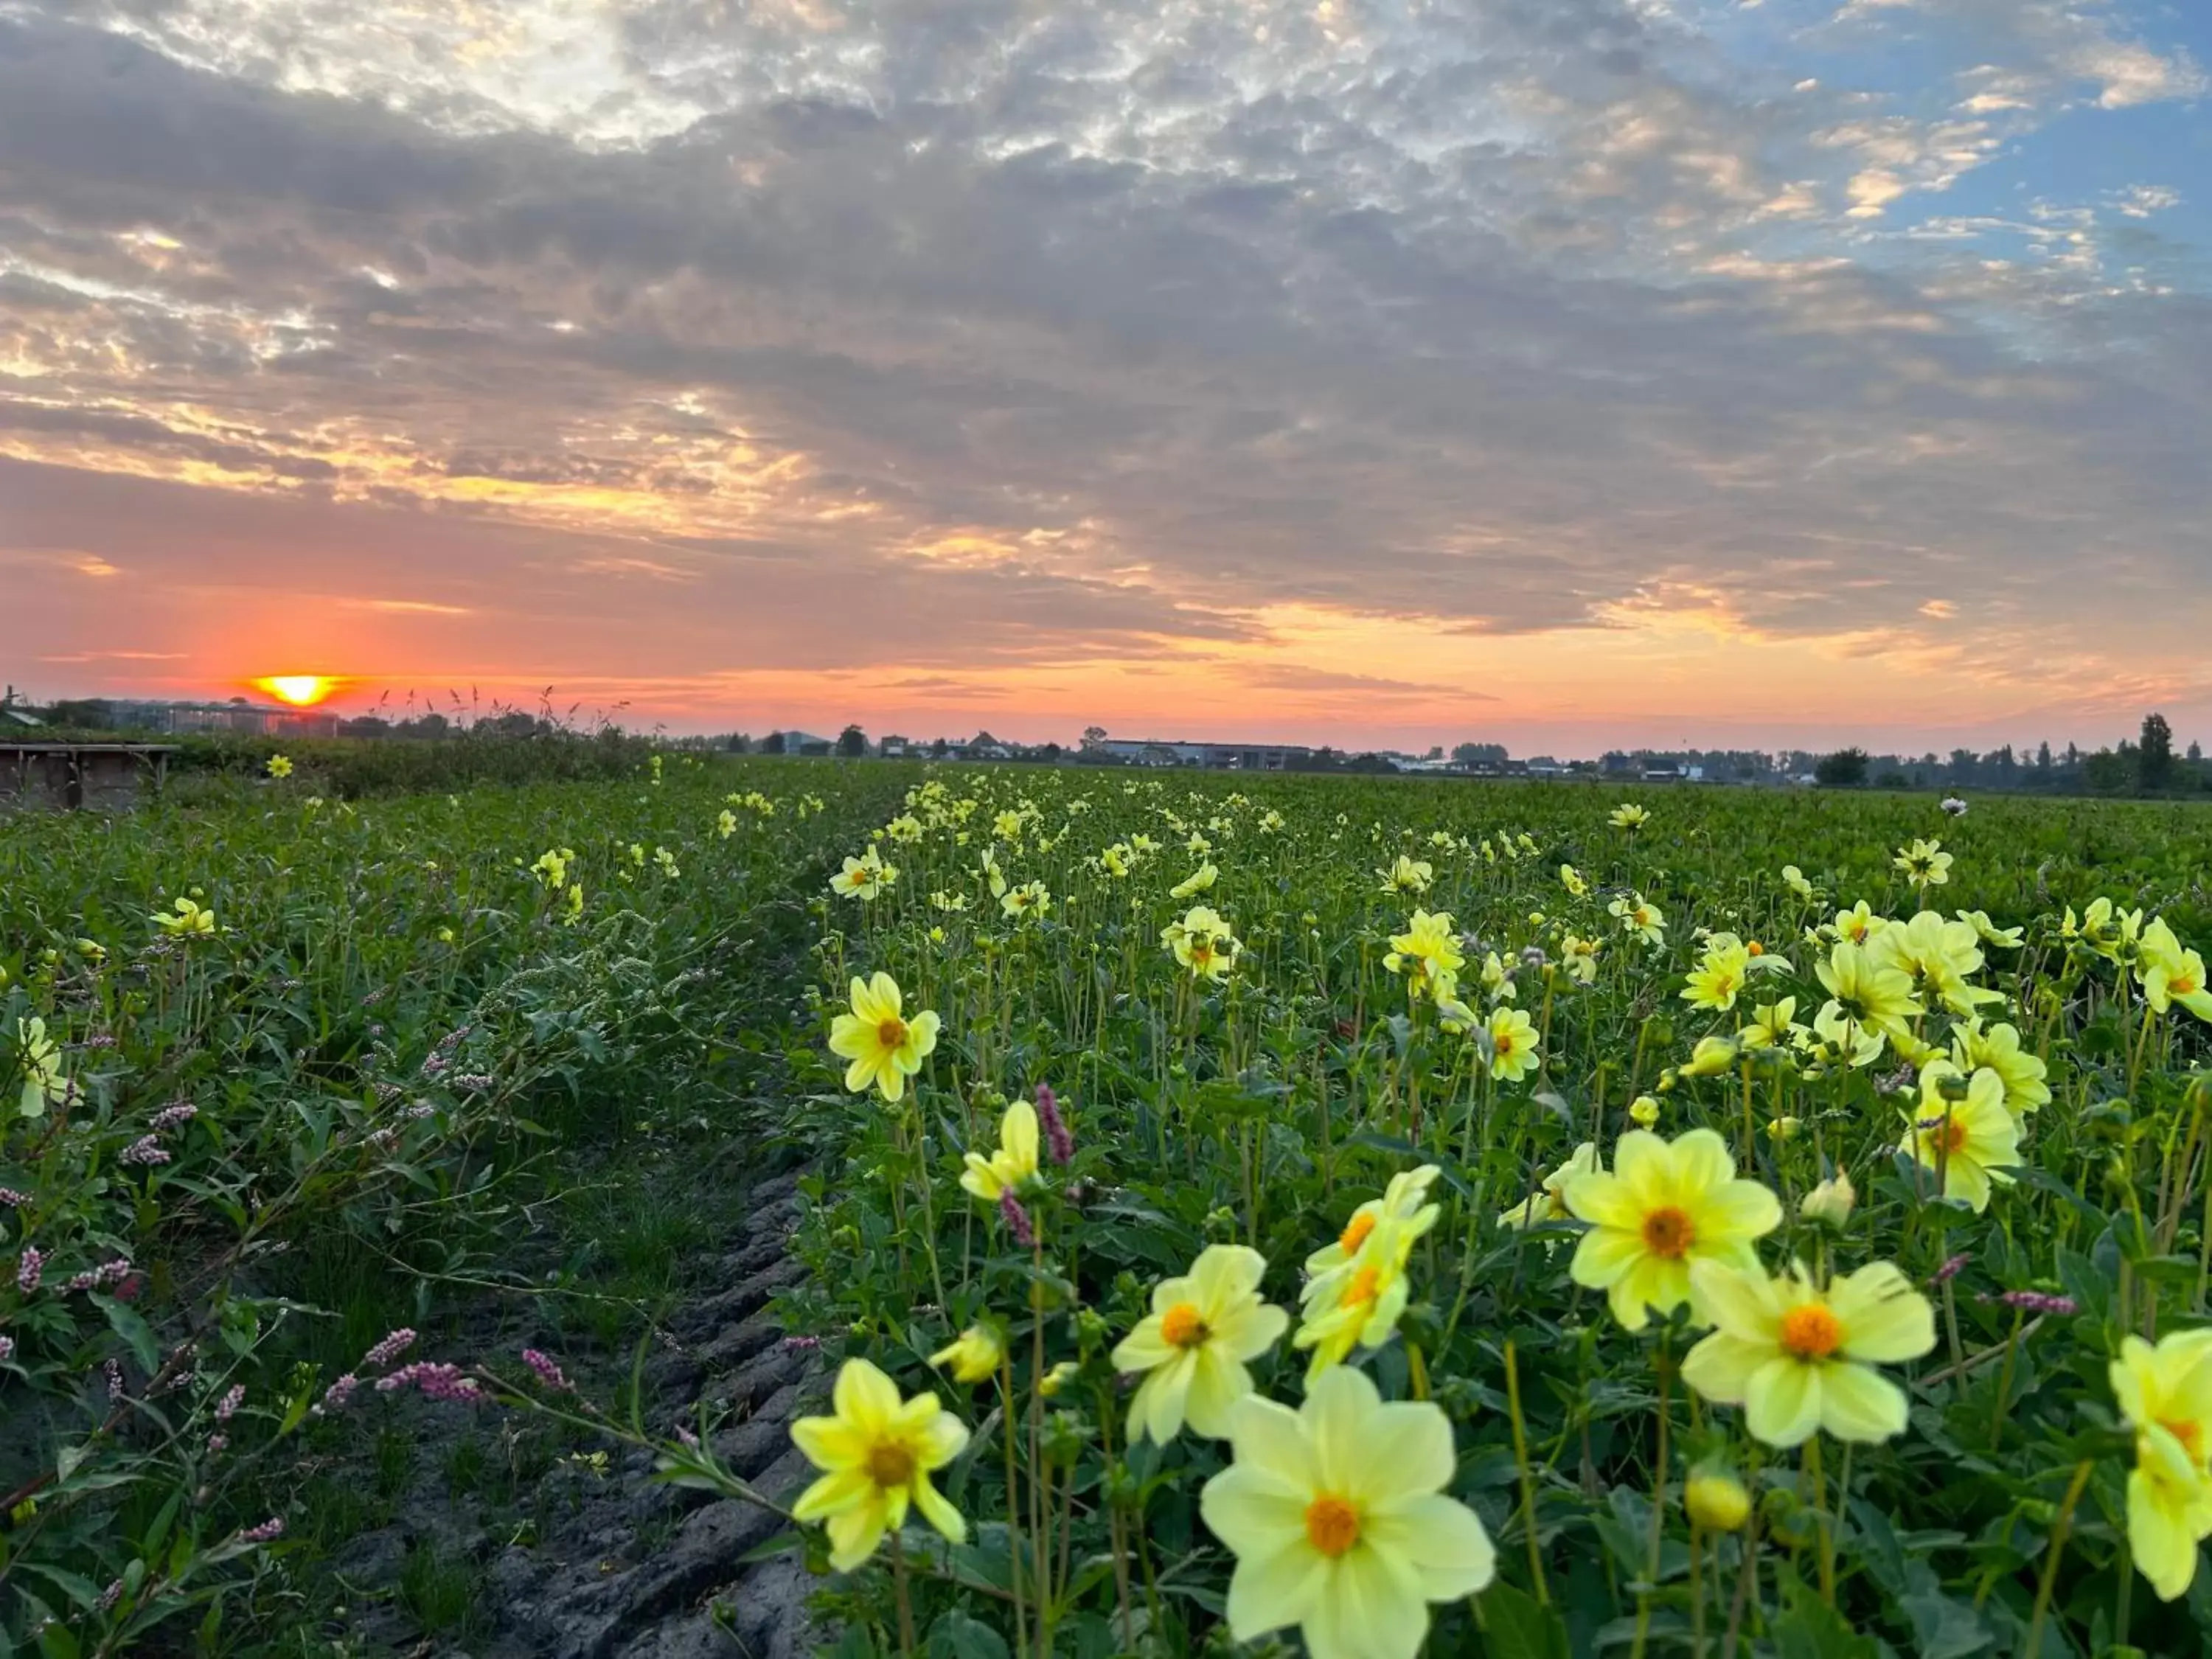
(1570, 374)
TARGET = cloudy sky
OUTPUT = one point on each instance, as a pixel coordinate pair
(1566, 372)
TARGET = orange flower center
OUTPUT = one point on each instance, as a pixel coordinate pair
(1182, 1327)
(1365, 1285)
(2188, 1432)
(1503, 1044)
(1811, 1332)
(1756, 948)
(1355, 1233)
(1669, 1233)
(890, 1032)
(1954, 1135)
(2181, 984)
(1332, 1525)
(890, 1465)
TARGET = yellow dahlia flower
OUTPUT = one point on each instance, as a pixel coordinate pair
(1798, 1359)
(2164, 1393)
(880, 1046)
(1193, 1346)
(1664, 1205)
(1015, 1161)
(876, 1454)
(1337, 1516)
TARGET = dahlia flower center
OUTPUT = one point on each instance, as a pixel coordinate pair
(890, 1465)
(1811, 1332)
(1184, 1327)
(1365, 1285)
(1332, 1525)
(1669, 1232)
(1355, 1233)
(2188, 1432)
(890, 1032)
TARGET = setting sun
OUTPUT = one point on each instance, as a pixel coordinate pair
(301, 691)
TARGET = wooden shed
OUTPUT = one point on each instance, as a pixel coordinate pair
(113, 775)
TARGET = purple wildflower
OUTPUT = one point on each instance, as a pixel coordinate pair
(549, 1372)
(113, 1372)
(1057, 1136)
(170, 1116)
(7, 1349)
(1950, 1269)
(13, 1200)
(2039, 1301)
(100, 1278)
(267, 1532)
(335, 1397)
(388, 1350)
(111, 1596)
(28, 1267)
(1016, 1218)
(801, 1344)
(435, 1381)
(147, 1150)
(216, 1444)
(226, 1407)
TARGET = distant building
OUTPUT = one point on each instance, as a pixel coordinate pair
(253, 718)
(1209, 756)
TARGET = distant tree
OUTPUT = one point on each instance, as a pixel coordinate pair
(940, 748)
(2108, 771)
(1050, 752)
(772, 743)
(1480, 754)
(1093, 735)
(86, 713)
(737, 742)
(2154, 753)
(1845, 770)
(2195, 754)
(2043, 758)
(1893, 778)
(852, 743)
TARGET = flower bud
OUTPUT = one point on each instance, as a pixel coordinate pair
(1712, 1056)
(1644, 1111)
(974, 1356)
(1830, 1203)
(1716, 1502)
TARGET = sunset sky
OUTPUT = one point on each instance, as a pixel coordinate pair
(1570, 374)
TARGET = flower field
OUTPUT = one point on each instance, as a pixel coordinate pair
(1361, 1212)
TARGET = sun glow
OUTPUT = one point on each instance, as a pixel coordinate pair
(301, 691)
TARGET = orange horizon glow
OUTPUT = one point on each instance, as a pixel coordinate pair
(301, 691)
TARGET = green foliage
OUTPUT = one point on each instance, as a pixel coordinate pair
(396, 1052)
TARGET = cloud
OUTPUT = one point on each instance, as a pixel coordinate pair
(951, 337)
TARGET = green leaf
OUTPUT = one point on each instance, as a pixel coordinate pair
(1516, 1625)
(1945, 1628)
(1811, 1629)
(969, 1639)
